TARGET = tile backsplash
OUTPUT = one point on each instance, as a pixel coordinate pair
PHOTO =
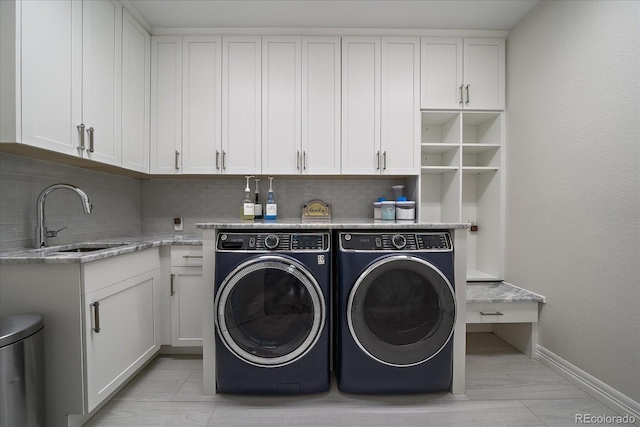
(126, 206)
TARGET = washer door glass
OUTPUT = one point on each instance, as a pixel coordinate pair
(270, 311)
(401, 310)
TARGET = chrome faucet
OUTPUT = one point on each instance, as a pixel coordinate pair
(42, 234)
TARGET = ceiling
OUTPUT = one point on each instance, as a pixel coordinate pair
(386, 14)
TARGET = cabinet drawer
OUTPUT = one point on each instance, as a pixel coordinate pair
(186, 256)
(521, 312)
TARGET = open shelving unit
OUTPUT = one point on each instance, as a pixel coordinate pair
(462, 164)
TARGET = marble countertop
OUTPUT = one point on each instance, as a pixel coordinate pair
(335, 224)
(500, 292)
(119, 246)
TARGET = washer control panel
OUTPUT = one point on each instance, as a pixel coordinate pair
(367, 242)
(277, 242)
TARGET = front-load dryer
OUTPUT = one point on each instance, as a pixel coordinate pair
(395, 312)
(272, 293)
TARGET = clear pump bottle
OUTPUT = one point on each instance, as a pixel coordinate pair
(247, 207)
(271, 208)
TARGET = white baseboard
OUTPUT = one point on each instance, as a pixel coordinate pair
(590, 384)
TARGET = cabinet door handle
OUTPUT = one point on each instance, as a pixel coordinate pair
(378, 154)
(81, 130)
(298, 159)
(461, 100)
(177, 157)
(467, 89)
(191, 256)
(495, 313)
(224, 156)
(217, 159)
(90, 132)
(96, 316)
(173, 292)
(304, 160)
(384, 160)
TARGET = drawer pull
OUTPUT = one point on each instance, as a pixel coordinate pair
(172, 290)
(495, 313)
(96, 316)
(191, 256)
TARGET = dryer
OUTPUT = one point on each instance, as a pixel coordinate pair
(272, 293)
(396, 312)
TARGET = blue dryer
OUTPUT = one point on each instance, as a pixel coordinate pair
(272, 312)
(396, 312)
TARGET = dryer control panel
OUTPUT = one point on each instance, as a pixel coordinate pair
(276, 242)
(367, 242)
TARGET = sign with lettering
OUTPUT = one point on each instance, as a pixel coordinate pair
(316, 209)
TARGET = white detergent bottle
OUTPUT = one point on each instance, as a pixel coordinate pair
(247, 207)
(270, 208)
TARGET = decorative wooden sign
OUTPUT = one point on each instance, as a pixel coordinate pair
(316, 209)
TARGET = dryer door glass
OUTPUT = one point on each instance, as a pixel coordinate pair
(402, 311)
(270, 311)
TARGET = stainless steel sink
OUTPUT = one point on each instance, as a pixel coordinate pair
(82, 248)
(85, 249)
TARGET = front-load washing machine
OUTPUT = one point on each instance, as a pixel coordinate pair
(272, 293)
(396, 312)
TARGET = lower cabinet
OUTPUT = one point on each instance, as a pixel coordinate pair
(186, 292)
(102, 323)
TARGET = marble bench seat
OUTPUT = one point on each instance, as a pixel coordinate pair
(506, 310)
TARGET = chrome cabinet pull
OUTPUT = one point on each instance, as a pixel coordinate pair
(96, 316)
(496, 313)
(461, 100)
(217, 159)
(298, 159)
(224, 156)
(177, 156)
(90, 132)
(191, 256)
(467, 89)
(173, 292)
(378, 154)
(384, 160)
(304, 160)
(81, 130)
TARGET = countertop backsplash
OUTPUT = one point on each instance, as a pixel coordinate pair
(126, 206)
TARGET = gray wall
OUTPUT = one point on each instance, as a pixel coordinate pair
(573, 165)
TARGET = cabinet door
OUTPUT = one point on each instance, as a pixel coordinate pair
(166, 104)
(101, 79)
(484, 78)
(136, 86)
(321, 105)
(187, 306)
(121, 333)
(441, 73)
(241, 105)
(361, 105)
(202, 103)
(400, 119)
(51, 74)
(281, 105)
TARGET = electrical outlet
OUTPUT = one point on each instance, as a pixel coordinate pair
(177, 224)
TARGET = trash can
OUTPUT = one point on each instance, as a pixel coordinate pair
(22, 371)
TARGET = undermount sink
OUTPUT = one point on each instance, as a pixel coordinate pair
(86, 249)
(81, 248)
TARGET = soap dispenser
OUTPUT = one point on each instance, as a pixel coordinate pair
(257, 204)
(271, 208)
(247, 207)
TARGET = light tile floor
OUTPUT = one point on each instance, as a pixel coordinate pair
(504, 388)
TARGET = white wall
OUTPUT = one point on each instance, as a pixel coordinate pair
(573, 181)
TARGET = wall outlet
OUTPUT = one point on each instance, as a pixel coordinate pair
(177, 224)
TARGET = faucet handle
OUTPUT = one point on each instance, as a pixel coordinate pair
(55, 233)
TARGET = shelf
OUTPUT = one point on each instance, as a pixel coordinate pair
(478, 169)
(437, 148)
(480, 276)
(438, 169)
(479, 148)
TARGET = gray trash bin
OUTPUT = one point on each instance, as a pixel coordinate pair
(22, 371)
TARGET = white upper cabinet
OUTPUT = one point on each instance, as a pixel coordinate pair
(320, 105)
(202, 103)
(281, 105)
(101, 79)
(136, 77)
(166, 105)
(241, 105)
(380, 110)
(463, 73)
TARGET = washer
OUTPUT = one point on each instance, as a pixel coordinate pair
(272, 312)
(396, 312)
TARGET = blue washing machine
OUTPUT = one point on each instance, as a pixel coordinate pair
(396, 312)
(272, 312)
